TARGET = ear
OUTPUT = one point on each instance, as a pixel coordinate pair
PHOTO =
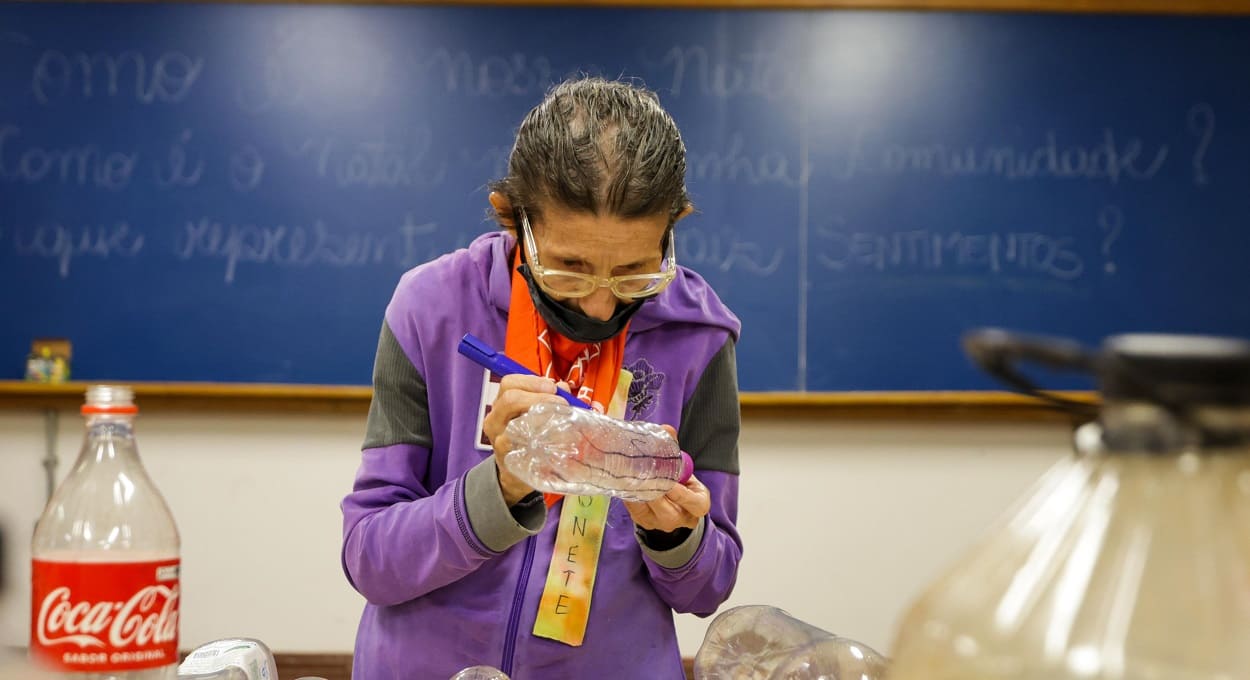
(503, 209)
(684, 212)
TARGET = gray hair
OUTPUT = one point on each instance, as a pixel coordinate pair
(598, 146)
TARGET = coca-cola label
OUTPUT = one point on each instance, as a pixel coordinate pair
(101, 617)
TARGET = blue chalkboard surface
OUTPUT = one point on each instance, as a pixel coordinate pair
(229, 192)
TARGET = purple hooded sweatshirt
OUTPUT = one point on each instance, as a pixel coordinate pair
(451, 575)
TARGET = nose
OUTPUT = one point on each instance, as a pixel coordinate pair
(600, 304)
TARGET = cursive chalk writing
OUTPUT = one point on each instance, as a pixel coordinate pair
(752, 73)
(315, 244)
(1110, 159)
(63, 244)
(247, 168)
(1201, 120)
(300, 72)
(491, 75)
(375, 163)
(725, 251)
(85, 165)
(731, 165)
(174, 171)
(168, 80)
(925, 250)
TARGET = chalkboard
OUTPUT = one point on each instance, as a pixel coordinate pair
(229, 192)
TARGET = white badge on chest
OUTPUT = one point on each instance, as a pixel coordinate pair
(490, 390)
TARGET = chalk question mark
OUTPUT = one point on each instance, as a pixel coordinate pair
(1111, 221)
(1201, 121)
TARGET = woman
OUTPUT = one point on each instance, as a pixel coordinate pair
(461, 562)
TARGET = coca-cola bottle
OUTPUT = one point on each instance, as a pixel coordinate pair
(104, 573)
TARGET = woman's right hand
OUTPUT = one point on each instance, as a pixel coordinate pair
(517, 393)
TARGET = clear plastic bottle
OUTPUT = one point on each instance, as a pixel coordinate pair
(760, 642)
(105, 567)
(229, 659)
(480, 673)
(557, 448)
(1130, 559)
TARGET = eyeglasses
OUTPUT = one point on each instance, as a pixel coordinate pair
(576, 285)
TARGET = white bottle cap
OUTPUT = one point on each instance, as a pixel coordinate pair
(110, 399)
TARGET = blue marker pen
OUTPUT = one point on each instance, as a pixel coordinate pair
(500, 364)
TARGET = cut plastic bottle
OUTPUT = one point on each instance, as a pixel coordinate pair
(760, 642)
(560, 449)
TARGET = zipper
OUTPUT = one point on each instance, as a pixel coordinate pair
(514, 619)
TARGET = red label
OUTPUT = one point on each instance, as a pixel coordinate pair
(104, 616)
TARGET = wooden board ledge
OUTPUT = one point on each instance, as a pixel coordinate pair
(354, 399)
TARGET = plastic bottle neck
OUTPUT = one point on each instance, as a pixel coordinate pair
(1143, 427)
(110, 436)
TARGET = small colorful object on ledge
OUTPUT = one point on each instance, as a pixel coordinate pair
(48, 361)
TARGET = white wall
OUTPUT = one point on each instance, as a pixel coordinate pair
(843, 522)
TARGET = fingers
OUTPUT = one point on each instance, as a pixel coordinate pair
(661, 514)
(526, 383)
(517, 393)
(682, 506)
(692, 497)
(642, 514)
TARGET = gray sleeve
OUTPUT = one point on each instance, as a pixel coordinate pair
(399, 412)
(711, 419)
(495, 524)
(678, 555)
(710, 422)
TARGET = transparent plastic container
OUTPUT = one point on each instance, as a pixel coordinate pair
(1129, 559)
(106, 540)
(760, 642)
(557, 448)
(480, 673)
(229, 659)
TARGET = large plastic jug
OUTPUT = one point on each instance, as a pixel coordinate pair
(1130, 559)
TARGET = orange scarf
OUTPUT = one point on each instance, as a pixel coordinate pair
(590, 369)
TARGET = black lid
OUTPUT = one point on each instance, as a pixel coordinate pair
(1176, 369)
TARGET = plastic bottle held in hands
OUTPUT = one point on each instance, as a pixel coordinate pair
(759, 642)
(105, 588)
(1130, 558)
(560, 449)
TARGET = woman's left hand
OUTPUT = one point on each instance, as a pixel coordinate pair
(683, 506)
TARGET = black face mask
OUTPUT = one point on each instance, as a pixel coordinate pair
(571, 323)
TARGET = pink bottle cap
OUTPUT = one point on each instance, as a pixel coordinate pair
(687, 467)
